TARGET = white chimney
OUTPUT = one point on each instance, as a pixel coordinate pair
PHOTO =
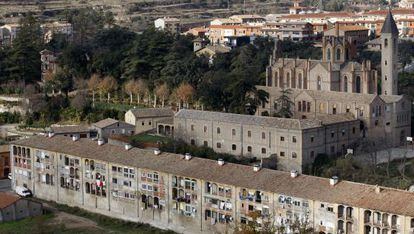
(157, 151)
(256, 168)
(101, 141)
(75, 137)
(188, 156)
(293, 173)
(220, 162)
(128, 146)
(50, 134)
(333, 180)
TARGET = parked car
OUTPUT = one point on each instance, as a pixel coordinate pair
(23, 192)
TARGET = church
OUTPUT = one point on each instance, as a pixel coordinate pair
(338, 84)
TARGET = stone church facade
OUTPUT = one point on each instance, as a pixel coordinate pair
(337, 84)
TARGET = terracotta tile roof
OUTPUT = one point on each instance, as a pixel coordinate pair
(271, 122)
(152, 112)
(105, 123)
(308, 187)
(352, 28)
(7, 199)
(398, 11)
(319, 15)
(70, 129)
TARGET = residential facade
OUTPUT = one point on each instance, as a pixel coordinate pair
(295, 31)
(195, 195)
(145, 119)
(294, 142)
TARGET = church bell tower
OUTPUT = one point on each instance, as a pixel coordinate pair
(389, 56)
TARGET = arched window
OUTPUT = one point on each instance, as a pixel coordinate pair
(205, 129)
(321, 108)
(92, 165)
(87, 187)
(287, 80)
(47, 179)
(358, 84)
(293, 82)
(328, 54)
(276, 78)
(385, 43)
(345, 84)
(269, 81)
(218, 130)
(299, 81)
(319, 83)
(338, 54)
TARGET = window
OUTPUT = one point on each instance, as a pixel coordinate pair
(263, 135)
(353, 130)
(328, 54)
(299, 106)
(218, 145)
(334, 109)
(282, 154)
(385, 43)
(332, 149)
(282, 138)
(330, 209)
(233, 132)
(192, 142)
(308, 105)
(294, 139)
(332, 134)
(205, 143)
(249, 133)
(294, 155)
(233, 147)
(263, 150)
(319, 83)
(312, 138)
(142, 123)
(218, 130)
(338, 54)
(205, 129)
(322, 205)
(249, 149)
(343, 132)
(192, 127)
(312, 154)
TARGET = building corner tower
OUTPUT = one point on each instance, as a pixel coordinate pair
(389, 56)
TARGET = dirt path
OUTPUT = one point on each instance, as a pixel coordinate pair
(71, 221)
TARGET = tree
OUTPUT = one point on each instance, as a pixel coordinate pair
(93, 85)
(141, 89)
(184, 93)
(285, 110)
(24, 60)
(130, 87)
(162, 91)
(80, 101)
(108, 85)
(405, 52)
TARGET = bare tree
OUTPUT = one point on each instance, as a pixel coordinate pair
(130, 87)
(93, 85)
(80, 101)
(108, 85)
(162, 92)
(184, 93)
(141, 89)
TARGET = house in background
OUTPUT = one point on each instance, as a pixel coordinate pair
(4, 161)
(49, 63)
(12, 207)
(145, 119)
(171, 25)
(79, 131)
(107, 127)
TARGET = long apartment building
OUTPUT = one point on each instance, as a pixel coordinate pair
(294, 142)
(195, 195)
